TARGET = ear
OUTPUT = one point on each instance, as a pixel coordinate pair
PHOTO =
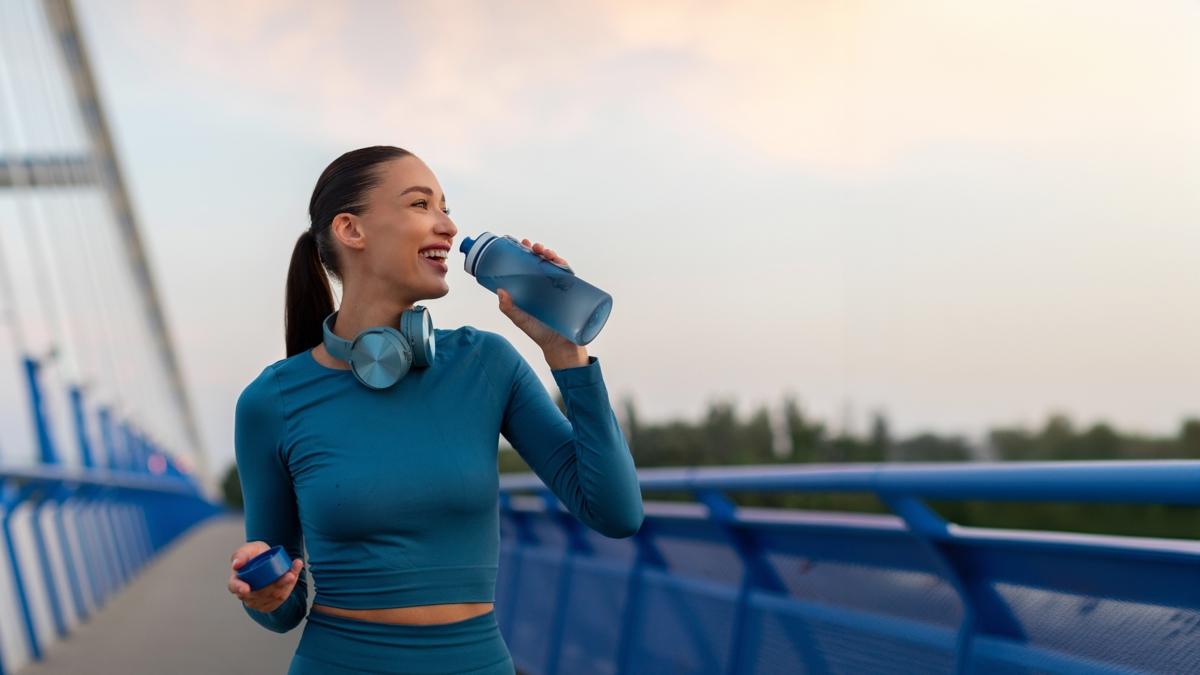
(347, 228)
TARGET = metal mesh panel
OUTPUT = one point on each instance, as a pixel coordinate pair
(1148, 637)
(920, 596)
(709, 555)
(685, 629)
(792, 640)
(537, 579)
(592, 630)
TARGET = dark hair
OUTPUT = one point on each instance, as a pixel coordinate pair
(342, 188)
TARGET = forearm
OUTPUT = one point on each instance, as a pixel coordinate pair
(603, 486)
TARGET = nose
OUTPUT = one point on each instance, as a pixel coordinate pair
(446, 226)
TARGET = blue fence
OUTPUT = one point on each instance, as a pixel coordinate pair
(708, 587)
(72, 539)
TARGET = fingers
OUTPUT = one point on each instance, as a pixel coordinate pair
(268, 597)
(506, 303)
(281, 588)
(289, 578)
(245, 552)
(237, 586)
(508, 308)
(545, 252)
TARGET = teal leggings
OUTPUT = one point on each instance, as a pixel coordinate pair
(336, 645)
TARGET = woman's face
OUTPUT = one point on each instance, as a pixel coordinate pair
(406, 213)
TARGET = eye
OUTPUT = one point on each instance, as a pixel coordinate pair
(423, 203)
(446, 211)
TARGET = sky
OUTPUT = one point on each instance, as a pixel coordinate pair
(962, 215)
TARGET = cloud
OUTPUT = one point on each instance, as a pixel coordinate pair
(843, 87)
(857, 85)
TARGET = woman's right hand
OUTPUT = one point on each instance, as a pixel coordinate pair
(269, 597)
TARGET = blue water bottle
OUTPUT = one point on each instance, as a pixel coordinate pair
(550, 292)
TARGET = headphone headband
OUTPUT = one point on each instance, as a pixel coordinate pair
(380, 356)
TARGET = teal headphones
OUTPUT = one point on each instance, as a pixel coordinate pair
(381, 355)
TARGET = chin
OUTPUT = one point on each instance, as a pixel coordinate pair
(433, 295)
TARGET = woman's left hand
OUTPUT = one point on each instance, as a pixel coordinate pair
(545, 337)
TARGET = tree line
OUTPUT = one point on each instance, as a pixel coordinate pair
(720, 436)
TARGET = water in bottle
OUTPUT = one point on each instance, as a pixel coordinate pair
(550, 292)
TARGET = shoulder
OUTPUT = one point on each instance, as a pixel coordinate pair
(487, 343)
(492, 353)
(259, 399)
(258, 421)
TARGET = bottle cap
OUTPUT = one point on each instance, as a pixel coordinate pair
(474, 249)
(265, 568)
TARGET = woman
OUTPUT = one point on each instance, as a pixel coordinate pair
(393, 491)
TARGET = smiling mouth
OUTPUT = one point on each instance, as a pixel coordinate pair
(438, 263)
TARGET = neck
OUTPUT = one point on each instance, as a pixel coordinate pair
(359, 313)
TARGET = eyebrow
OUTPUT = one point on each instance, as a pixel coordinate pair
(420, 188)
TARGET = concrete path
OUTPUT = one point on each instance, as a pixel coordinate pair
(175, 617)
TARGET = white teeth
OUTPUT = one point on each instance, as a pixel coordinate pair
(434, 253)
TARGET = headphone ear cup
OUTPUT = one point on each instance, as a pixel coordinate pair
(381, 356)
(417, 327)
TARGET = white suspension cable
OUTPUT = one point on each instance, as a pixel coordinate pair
(74, 212)
(151, 382)
(11, 310)
(44, 285)
(63, 173)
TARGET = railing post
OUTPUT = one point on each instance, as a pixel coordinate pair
(47, 454)
(576, 544)
(124, 572)
(983, 609)
(758, 572)
(648, 556)
(104, 416)
(61, 494)
(11, 502)
(43, 552)
(97, 542)
(524, 536)
(85, 446)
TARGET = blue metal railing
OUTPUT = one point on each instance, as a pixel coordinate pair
(710, 587)
(73, 538)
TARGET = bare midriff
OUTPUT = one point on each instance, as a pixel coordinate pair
(418, 614)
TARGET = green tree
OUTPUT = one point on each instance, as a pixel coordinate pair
(807, 436)
(231, 488)
(932, 448)
(1189, 438)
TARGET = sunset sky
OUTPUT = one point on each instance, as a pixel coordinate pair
(962, 214)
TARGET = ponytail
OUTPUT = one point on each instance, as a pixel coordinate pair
(309, 297)
(341, 188)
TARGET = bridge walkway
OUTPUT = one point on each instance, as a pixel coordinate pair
(175, 617)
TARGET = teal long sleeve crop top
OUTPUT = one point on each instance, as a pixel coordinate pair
(394, 493)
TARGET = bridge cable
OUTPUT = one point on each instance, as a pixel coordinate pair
(150, 387)
(63, 172)
(72, 344)
(11, 310)
(99, 303)
(71, 215)
(10, 137)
